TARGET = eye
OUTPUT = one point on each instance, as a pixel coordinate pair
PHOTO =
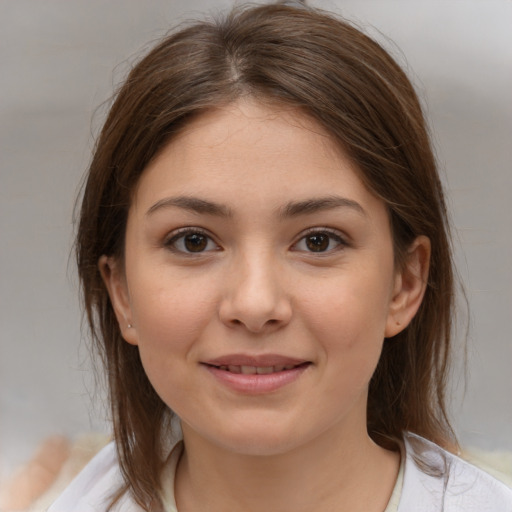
(191, 241)
(320, 241)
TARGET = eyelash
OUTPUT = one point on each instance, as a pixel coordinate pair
(331, 234)
(181, 234)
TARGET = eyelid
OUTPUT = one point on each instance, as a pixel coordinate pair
(337, 235)
(179, 233)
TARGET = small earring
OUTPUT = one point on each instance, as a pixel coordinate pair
(129, 326)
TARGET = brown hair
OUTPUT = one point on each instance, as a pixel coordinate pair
(345, 81)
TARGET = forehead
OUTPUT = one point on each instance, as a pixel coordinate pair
(255, 162)
(251, 154)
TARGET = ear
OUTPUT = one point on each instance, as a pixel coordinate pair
(409, 287)
(115, 281)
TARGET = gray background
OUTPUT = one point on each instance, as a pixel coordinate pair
(56, 66)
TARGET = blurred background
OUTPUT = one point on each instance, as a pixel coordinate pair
(61, 59)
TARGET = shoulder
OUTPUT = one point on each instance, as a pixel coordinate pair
(92, 489)
(435, 479)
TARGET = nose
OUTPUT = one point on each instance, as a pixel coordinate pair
(255, 295)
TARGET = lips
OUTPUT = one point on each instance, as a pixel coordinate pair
(253, 370)
(256, 374)
(255, 364)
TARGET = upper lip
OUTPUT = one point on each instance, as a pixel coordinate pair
(260, 361)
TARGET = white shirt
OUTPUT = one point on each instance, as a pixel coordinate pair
(433, 481)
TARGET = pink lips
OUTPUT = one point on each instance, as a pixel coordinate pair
(256, 374)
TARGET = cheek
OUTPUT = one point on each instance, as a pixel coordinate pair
(170, 319)
(170, 313)
(348, 318)
(348, 309)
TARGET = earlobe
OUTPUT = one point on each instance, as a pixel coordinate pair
(409, 287)
(115, 281)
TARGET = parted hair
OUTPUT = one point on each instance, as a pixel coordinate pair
(335, 74)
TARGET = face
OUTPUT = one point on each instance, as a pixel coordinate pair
(259, 281)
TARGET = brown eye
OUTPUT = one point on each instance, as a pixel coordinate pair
(320, 241)
(191, 241)
(195, 242)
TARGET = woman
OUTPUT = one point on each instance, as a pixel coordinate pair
(265, 257)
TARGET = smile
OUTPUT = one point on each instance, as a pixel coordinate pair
(256, 375)
(259, 370)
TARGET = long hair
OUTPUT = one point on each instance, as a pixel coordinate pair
(341, 78)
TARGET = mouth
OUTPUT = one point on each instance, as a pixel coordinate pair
(256, 375)
(258, 370)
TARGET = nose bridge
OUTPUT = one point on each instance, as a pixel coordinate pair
(256, 295)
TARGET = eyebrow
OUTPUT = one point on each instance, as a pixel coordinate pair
(292, 209)
(193, 204)
(315, 205)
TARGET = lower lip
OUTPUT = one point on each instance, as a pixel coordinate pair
(257, 383)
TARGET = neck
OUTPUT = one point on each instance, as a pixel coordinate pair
(332, 471)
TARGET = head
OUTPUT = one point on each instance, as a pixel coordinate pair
(331, 75)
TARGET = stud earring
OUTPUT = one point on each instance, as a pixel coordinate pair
(129, 326)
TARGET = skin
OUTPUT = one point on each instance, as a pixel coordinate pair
(258, 286)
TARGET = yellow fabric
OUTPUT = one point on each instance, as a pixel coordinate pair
(397, 490)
